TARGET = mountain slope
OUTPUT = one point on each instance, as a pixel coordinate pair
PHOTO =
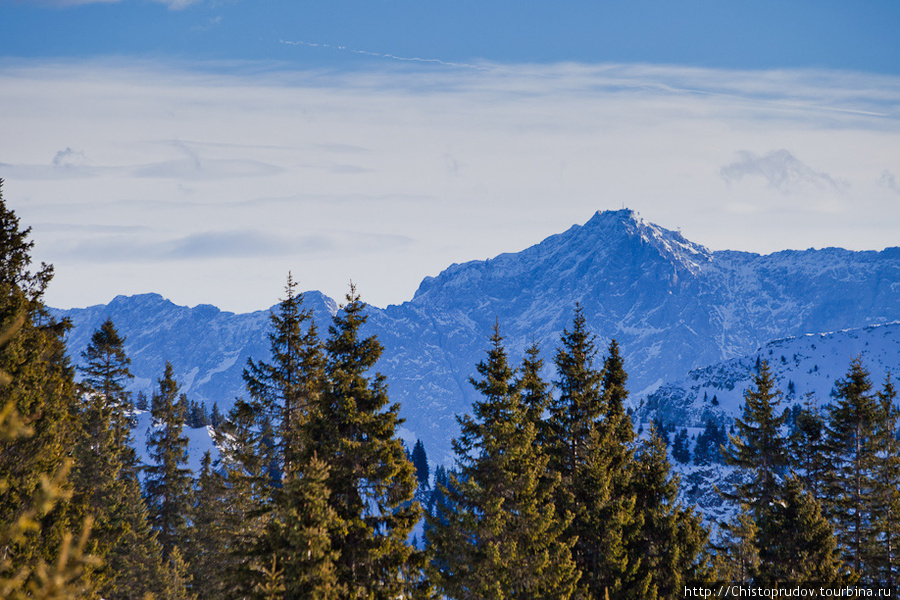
(804, 368)
(671, 304)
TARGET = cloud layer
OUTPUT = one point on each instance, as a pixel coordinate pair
(209, 187)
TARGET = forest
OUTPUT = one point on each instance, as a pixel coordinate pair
(554, 494)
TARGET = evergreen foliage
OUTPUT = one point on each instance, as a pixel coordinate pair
(853, 420)
(105, 374)
(799, 542)
(105, 474)
(737, 552)
(884, 555)
(419, 459)
(808, 447)
(670, 545)
(285, 389)
(681, 450)
(305, 524)
(502, 537)
(245, 501)
(353, 430)
(759, 448)
(588, 436)
(39, 408)
(168, 482)
(709, 445)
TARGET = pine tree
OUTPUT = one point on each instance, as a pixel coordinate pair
(852, 423)
(808, 448)
(587, 431)
(884, 555)
(134, 564)
(246, 502)
(106, 375)
(306, 523)
(105, 460)
(40, 389)
(419, 459)
(353, 430)
(737, 551)
(759, 449)
(501, 538)
(206, 552)
(535, 392)
(671, 539)
(681, 447)
(286, 389)
(168, 481)
(215, 416)
(800, 544)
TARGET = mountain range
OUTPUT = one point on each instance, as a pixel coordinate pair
(671, 304)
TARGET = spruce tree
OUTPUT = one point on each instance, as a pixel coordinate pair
(353, 430)
(105, 470)
(587, 436)
(852, 423)
(536, 394)
(286, 388)
(168, 481)
(884, 555)
(419, 459)
(808, 448)
(40, 389)
(800, 545)
(671, 540)
(106, 374)
(246, 502)
(736, 553)
(206, 552)
(501, 538)
(759, 448)
(681, 450)
(305, 524)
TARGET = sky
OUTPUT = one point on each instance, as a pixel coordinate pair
(201, 149)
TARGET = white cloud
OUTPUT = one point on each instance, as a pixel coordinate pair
(888, 180)
(233, 180)
(781, 170)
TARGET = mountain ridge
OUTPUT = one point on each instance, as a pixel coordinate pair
(671, 304)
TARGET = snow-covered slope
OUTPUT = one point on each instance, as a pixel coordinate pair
(804, 368)
(802, 365)
(671, 304)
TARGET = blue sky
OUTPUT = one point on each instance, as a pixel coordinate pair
(201, 149)
(737, 34)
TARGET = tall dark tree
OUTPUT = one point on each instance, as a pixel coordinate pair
(305, 524)
(286, 388)
(168, 481)
(501, 538)
(106, 374)
(105, 470)
(670, 542)
(353, 430)
(246, 502)
(419, 460)
(800, 545)
(808, 447)
(852, 424)
(681, 450)
(759, 448)
(536, 394)
(40, 389)
(586, 428)
(884, 556)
